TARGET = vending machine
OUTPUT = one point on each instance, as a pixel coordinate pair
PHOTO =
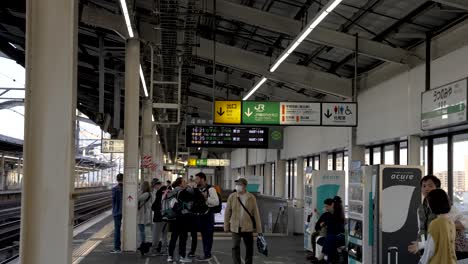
(383, 202)
(319, 186)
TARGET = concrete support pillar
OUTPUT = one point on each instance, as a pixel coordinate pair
(147, 136)
(355, 153)
(299, 188)
(49, 146)
(414, 151)
(130, 186)
(323, 160)
(228, 177)
(280, 179)
(267, 183)
(2, 173)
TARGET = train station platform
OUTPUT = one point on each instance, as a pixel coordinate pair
(282, 250)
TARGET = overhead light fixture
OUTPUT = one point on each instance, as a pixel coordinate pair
(142, 77)
(13, 45)
(327, 9)
(255, 88)
(123, 4)
(152, 119)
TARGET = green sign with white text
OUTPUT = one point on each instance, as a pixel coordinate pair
(261, 113)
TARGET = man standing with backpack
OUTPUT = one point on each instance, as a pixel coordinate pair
(160, 228)
(207, 219)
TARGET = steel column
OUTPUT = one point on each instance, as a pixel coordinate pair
(49, 147)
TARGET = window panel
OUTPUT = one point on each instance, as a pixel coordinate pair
(390, 154)
(317, 163)
(376, 156)
(367, 157)
(440, 161)
(460, 172)
(404, 153)
(424, 157)
(339, 161)
(330, 162)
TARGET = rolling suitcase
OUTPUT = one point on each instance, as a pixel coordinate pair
(389, 255)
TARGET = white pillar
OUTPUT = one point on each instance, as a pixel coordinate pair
(130, 186)
(280, 179)
(49, 146)
(268, 179)
(147, 129)
(324, 161)
(414, 151)
(299, 188)
(355, 153)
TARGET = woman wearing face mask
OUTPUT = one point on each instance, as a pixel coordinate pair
(242, 219)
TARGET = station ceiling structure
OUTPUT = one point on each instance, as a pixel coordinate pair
(238, 40)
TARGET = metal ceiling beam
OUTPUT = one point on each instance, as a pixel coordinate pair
(462, 4)
(293, 74)
(320, 35)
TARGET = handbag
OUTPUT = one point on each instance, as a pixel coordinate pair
(262, 245)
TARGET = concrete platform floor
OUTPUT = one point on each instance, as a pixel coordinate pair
(283, 250)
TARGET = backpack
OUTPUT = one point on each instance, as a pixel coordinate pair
(169, 205)
(217, 209)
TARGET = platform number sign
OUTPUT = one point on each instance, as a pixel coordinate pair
(339, 114)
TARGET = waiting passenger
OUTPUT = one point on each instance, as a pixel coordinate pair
(425, 217)
(117, 195)
(440, 246)
(207, 220)
(169, 184)
(179, 226)
(144, 210)
(335, 226)
(321, 228)
(160, 228)
(242, 219)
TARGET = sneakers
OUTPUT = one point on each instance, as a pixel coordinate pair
(185, 260)
(204, 259)
(192, 255)
(170, 259)
(116, 251)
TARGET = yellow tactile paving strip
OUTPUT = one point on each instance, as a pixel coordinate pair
(81, 252)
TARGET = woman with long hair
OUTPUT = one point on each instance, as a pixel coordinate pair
(334, 222)
(144, 210)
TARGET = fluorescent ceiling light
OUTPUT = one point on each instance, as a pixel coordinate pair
(327, 9)
(123, 4)
(13, 45)
(152, 118)
(263, 80)
(142, 77)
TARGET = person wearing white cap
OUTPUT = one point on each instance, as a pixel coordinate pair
(242, 219)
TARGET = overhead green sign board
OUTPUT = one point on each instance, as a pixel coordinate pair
(202, 162)
(261, 113)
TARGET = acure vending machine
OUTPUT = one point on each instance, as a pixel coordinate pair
(319, 186)
(383, 202)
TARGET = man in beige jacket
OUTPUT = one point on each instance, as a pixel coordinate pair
(242, 219)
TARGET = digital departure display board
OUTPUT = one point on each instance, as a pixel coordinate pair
(227, 137)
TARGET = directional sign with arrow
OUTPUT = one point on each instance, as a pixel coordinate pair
(339, 114)
(261, 113)
(328, 114)
(227, 112)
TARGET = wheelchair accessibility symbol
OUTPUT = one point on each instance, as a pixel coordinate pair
(348, 111)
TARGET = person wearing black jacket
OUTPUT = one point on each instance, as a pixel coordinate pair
(160, 228)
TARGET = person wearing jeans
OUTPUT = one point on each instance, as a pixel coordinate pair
(117, 193)
(242, 219)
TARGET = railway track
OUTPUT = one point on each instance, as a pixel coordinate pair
(87, 205)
